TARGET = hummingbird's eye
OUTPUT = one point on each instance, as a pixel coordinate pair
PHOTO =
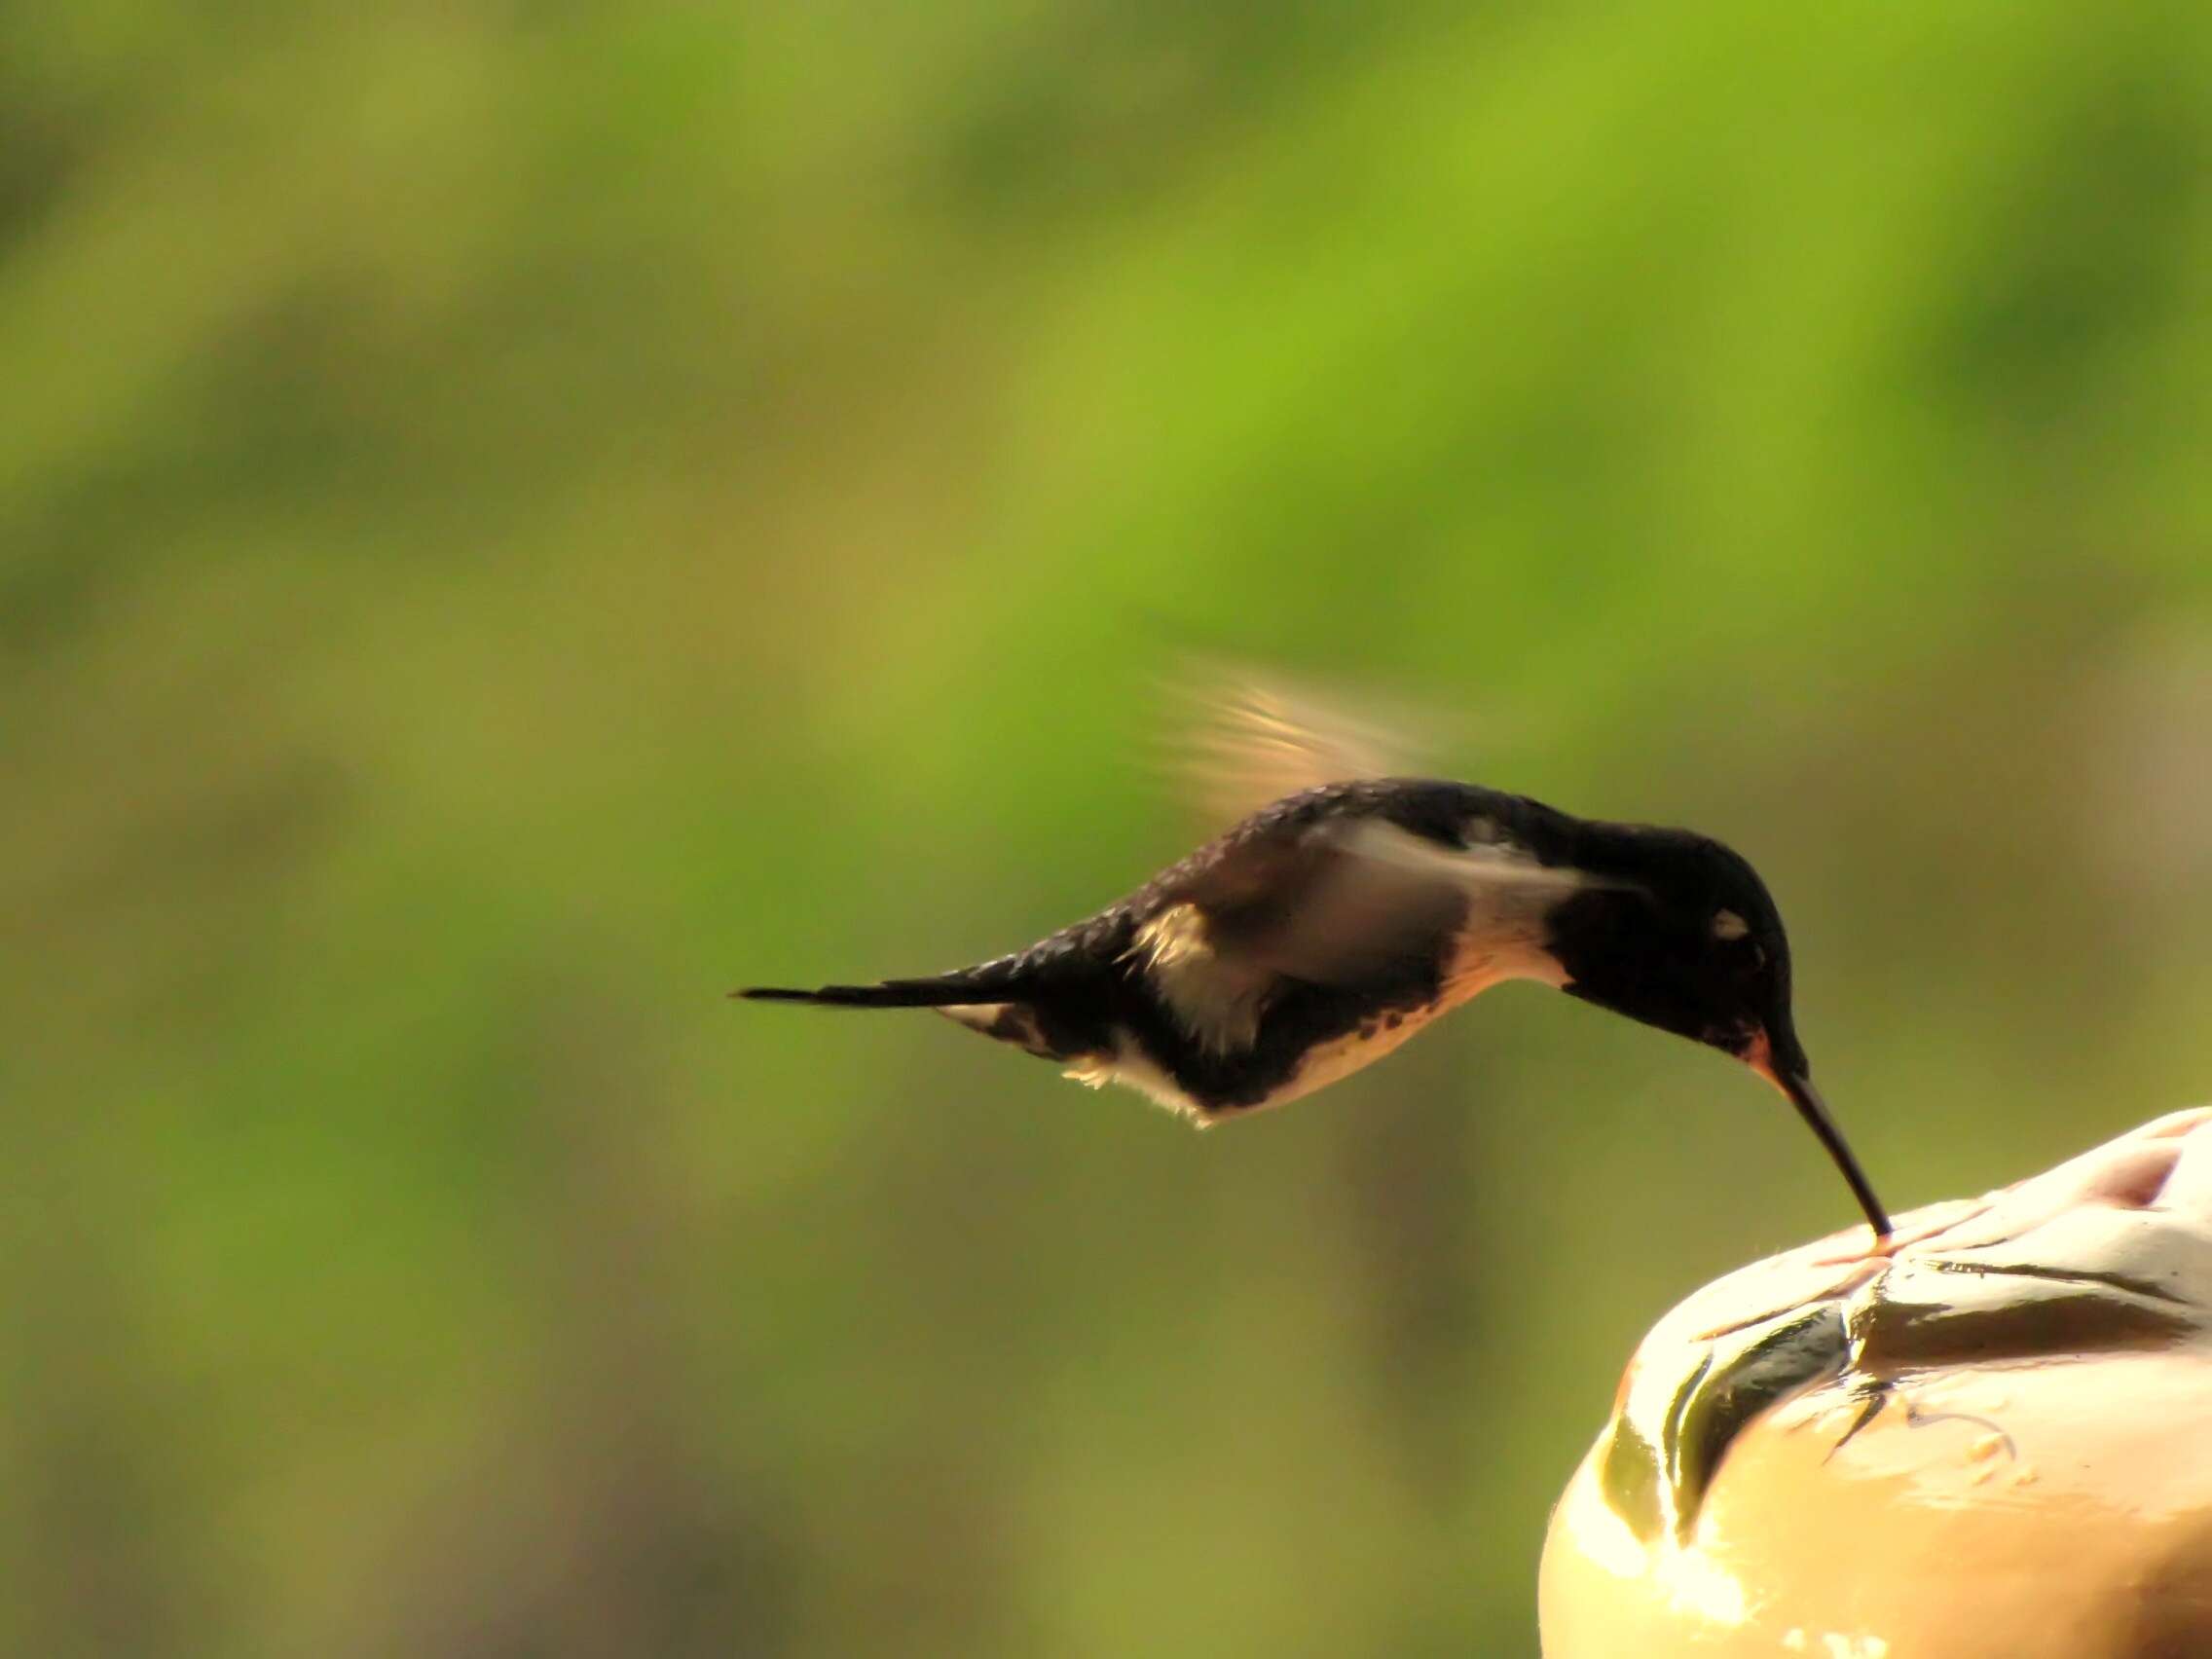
(1730, 929)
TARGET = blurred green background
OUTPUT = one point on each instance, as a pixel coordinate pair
(517, 518)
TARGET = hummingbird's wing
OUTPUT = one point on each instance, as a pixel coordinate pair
(1316, 907)
(1245, 739)
(1350, 899)
(1361, 903)
(1342, 900)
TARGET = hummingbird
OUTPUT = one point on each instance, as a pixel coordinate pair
(1343, 915)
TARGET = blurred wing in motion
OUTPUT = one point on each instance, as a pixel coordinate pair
(1330, 908)
(1247, 740)
(1362, 906)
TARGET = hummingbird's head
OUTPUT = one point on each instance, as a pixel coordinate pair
(1677, 930)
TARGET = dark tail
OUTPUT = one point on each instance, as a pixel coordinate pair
(992, 982)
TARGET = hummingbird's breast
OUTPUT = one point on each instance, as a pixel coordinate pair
(1478, 958)
(1211, 1042)
(1336, 1058)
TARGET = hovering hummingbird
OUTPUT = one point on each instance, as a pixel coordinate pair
(1335, 921)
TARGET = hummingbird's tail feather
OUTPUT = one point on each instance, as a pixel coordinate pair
(991, 982)
(1006, 1000)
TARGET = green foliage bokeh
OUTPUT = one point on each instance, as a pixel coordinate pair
(514, 519)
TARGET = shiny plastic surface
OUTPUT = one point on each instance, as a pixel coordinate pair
(1995, 1440)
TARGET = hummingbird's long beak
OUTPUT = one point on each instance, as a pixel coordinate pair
(1797, 1088)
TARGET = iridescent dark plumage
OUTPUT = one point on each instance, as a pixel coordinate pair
(1328, 926)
